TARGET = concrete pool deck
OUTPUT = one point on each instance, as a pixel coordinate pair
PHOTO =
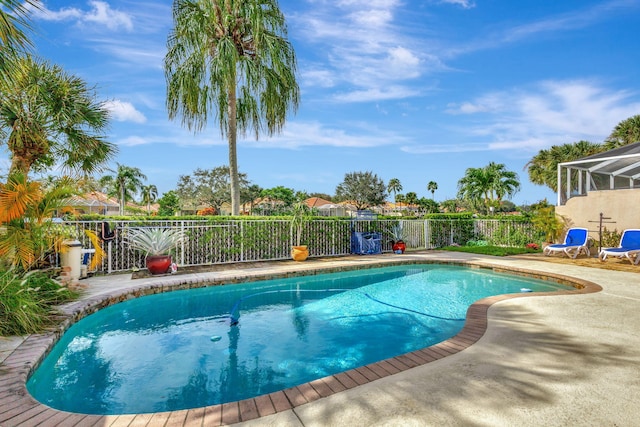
(543, 360)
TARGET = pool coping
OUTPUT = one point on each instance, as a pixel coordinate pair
(19, 408)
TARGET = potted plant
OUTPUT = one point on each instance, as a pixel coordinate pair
(300, 216)
(398, 236)
(156, 244)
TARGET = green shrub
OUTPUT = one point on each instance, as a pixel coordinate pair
(488, 250)
(26, 301)
(611, 239)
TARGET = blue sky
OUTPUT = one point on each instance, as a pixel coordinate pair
(417, 90)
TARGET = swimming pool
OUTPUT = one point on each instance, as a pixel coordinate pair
(183, 349)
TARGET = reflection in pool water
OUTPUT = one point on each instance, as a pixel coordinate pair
(200, 347)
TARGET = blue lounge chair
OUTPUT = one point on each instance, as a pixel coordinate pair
(575, 241)
(629, 247)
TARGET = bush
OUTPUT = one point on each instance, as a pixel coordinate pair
(26, 301)
(611, 239)
(488, 250)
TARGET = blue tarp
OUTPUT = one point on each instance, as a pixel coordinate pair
(366, 243)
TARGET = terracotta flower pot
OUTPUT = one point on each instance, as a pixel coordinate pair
(399, 247)
(299, 253)
(158, 264)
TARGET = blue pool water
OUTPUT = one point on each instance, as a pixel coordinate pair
(200, 347)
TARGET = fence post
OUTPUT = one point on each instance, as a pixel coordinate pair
(109, 269)
(241, 239)
(182, 243)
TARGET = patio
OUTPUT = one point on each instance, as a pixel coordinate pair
(545, 360)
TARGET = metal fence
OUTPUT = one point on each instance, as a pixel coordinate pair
(232, 241)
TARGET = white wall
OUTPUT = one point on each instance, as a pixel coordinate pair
(622, 206)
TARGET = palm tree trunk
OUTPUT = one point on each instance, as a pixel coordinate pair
(121, 199)
(233, 156)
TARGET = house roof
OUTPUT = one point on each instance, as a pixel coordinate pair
(315, 202)
(95, 198)
(622, 161)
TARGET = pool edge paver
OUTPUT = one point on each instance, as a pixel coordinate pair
(20, 362)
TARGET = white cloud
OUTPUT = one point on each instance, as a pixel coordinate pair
(551, 112)
(444, 148)
(466, 4)
(124, 111)
(366, 49)
(575, 20)
(317, 78)
(100, 13)
(377, 94)
(300, 134)
(132, 141)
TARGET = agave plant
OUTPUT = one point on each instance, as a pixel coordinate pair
(397, 233)
(154, 240)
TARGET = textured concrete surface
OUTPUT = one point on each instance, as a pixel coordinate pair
(543, 360)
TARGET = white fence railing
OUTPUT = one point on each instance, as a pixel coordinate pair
(260, 240)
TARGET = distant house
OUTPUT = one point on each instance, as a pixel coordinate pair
(316, 202)
(397, 209)
(93, 203)
(606, 183)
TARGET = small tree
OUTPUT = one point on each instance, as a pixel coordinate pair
(428, 205)
(209, 187)
(300, 215)
(547, 222)
(169, 204)
(279, 195)
(363, 189)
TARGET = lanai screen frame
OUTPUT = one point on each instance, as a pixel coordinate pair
(621, 166)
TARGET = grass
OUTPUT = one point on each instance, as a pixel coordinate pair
(491, 250)
(27, 301)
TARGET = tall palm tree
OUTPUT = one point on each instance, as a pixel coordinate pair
(394, 187)
(51, 116)
(123, 183)
(504, 183)
(13, 39)
(432, 186)
(232, 57)
(149, 195)
(488, 184)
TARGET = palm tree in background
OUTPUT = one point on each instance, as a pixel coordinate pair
(231, 57)
(394, 187)
(626, 132)
(411, 198)
(432, 186)
(123, 183)
(149, 195)
(489, 185)
(543, 167)
(50, 116)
